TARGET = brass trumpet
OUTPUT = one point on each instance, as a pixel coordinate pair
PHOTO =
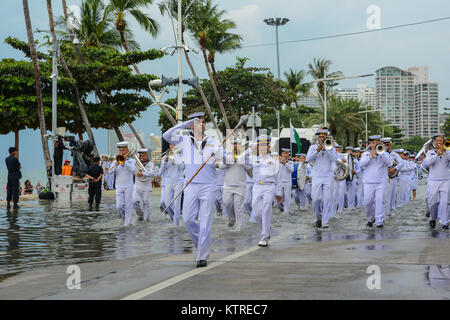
(446, 145)
(121, 159)
(327, 143)
(380, 148)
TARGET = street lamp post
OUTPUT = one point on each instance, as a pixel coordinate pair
(324, 98)
(366, 123)
(277, 22)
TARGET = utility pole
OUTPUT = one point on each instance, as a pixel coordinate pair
(179, 116)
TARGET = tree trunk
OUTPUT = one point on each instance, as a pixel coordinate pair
(79, 130)
(125, 45)
(37, 77)
(16, 142)
(216, 93)
(222, 92)
(141, 143)
(205, 102)
(118, 133)
(87, 125)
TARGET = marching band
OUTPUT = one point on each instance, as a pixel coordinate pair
(247, 178)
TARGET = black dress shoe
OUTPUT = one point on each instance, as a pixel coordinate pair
(201, 263)
(380, 226)
(318, 223)
(432, 224)
(90, 206)
(445, 227)
(16, 206)
(427, 215)
(8, 206)
(369, 224)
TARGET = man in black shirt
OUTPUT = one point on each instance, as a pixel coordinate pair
(58, 155)
(14, 175)
(95, 174)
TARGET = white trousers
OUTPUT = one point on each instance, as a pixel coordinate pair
(143, 196)
(284, 190)
(109, 178)
(341, 190)
(373, 202)
(262, 207)
(301, 196)
(359, 193)
(124, 204)
(351, 193)
(170, 191)
(391, 187)
(219, 201)
(321, 198)
(233, 200)
(199, 204)
(248, 198)
(437, 197)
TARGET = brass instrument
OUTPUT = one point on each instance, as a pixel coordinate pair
(380, 148)
(395, 174)
(327, 143)
(342, 169)
(446, 145)
(121, 159)
(139, 166)
(429, 145)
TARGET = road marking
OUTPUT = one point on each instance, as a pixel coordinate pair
(169, 282)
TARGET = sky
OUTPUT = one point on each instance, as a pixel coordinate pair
(426, 44)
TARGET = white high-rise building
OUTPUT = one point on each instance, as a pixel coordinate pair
(362, 93)
(408, 100)
(420, 74)
(312, 99)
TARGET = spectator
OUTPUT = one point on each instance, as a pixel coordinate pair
(28, 187)
(14, 175)
(58, 154)
(95, 174)
(38, 187)
(67, 169)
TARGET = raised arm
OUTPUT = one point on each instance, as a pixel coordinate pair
(173, 135)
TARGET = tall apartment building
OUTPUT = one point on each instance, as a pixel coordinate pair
(395, 98)
(426, 109)
(311, 100)
(408, 100)
(362, 93)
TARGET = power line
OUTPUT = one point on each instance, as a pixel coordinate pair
(348, 34)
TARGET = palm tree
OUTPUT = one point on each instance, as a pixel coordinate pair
(344, 119)
(293, 87)
(221, 41)
(121, 8)
(187, 8)
(87, 125)
(202, 25)
(321, 68)
(37, 77)
(95, 28)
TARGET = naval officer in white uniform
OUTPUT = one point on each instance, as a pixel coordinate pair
(200, 194)
(438, 161)
(322, 178)
(375, 177)
(143, 189)
(235, 166)
(124, 184)
(265, 171)
(284, 187)
(172, 170)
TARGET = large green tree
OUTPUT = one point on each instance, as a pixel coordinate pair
(104, 68)
(244, 86)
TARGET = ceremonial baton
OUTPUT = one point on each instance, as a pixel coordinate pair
(243, 121)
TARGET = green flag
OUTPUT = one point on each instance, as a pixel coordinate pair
(295, 138)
